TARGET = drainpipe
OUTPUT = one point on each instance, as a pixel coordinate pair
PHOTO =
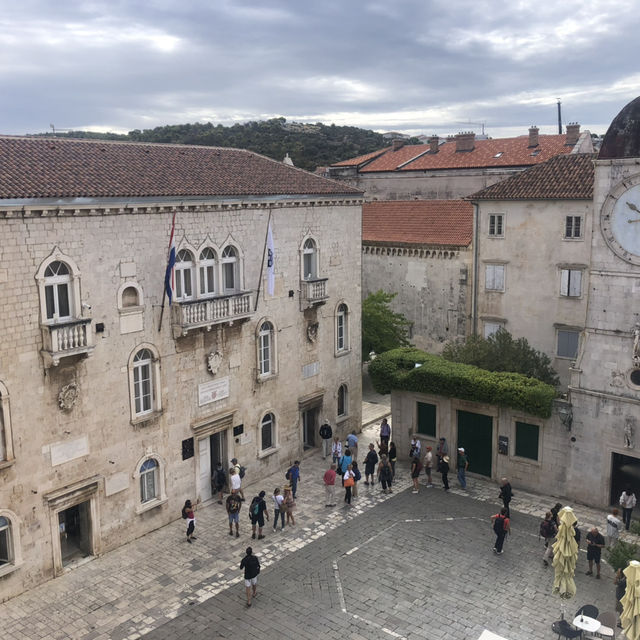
(474, 284)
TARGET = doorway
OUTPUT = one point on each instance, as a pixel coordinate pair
(475, 435)
(309, 427)
(74, 525)
(625, 472)
(211, 449)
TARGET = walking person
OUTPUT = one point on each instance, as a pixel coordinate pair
(614, 526)
(251, 566)
(218, 481)
(444, 472)
(336, 450)
(385, 474)
(236, 483)
(501, 527)
(555, 514)
(293, 476)
(345, 461)
(595, 544)
(463, 465)
(234, 504)
(257, 512)
(385, 431)
(548, 531)
(329, 480)
(416, 467)
(627, 502)
(357, 476)
(240, 471)
(326, 434)
(278, 499)
(348, 480)
(289, 505)
(428, 464)
(352, 444)
(189, 515)
(370, 462)
(506, 493)
(393, 458)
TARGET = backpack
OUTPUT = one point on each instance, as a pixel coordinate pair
(255, 506)
(220, 477)
(242, 471)
(498, 524)
(287, 476)
(184, 513)
(358, 475)
(546, 529)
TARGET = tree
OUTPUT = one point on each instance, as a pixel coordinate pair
(500, 352)
(382, 328)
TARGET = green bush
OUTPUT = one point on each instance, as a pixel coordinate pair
(635, 527)
(397, 370)
(621, 553)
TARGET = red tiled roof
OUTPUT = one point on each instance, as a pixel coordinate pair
(511, 152)
(423, 222)
(65, 168)
(566, 177)
(354, 162)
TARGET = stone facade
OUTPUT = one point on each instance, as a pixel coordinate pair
(83, 464)
(432, 286)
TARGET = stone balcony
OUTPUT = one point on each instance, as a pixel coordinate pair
(313, 292)
(196, 314)
(66, 339)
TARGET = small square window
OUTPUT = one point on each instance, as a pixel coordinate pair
(571, 283)
(527, 439)
(573, 227)
(568, 343)
(490, 328)
(496, 225)
(494, 277)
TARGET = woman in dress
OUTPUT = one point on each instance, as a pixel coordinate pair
(289, 505)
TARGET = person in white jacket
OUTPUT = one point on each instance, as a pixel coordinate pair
(627, 502)
(614, 526)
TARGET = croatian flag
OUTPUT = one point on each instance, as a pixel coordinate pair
(169, 277)
(271, 259)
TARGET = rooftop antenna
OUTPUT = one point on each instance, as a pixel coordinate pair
(53, 128)
(559, 116)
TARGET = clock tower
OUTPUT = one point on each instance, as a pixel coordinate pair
(605, 380)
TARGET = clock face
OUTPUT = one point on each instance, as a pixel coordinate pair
(620, 220)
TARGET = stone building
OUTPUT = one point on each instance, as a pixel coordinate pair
(115, 406)
(532, 246)
(605, 381)
(421, 250)
(446, 169)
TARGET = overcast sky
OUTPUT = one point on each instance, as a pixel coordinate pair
(418, 66)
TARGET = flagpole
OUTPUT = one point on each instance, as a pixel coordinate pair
(164, 288)
(264, 251)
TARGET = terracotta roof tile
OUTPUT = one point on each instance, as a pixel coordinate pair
(422, 222)
(65, 168)
(566, 177)
(354, 162)
(498, 152)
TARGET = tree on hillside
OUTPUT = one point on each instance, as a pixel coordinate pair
(382, 328)
(500, 352)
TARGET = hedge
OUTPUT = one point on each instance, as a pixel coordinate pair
(396, 370)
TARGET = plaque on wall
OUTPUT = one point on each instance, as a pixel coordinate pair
(503, 445)
(213, 391)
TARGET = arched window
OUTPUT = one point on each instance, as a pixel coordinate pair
(58, 292)
(230, 278)
(265, 349)
(6, 542)
(184, 275)
(309, 260)
(207, 272)
(144, 393)
(343, 401)
(342, 328)
(268, 432)
(130, 297)
(149, 480)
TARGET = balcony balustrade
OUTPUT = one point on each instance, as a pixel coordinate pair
(314, 291)
(66, 339)
(195, 314)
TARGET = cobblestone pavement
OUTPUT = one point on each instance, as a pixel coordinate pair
(392, 566)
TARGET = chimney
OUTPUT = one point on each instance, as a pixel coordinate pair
(465, 141)
(533, 136)
(573, 133)
(434, 143)
(397, 144)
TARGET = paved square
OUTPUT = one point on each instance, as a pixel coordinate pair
(415, 566)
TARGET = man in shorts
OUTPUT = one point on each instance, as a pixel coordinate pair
(234, 504)
(251, 566)
(595, 544)
(257, 513)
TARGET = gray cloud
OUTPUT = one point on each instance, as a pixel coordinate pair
(413, 65)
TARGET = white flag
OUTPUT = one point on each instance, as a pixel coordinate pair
(271, 259)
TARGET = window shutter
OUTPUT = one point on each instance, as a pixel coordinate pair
(564, 282)
(489, 277)
(575, 283)
(499, 278)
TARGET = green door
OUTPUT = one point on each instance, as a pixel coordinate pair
(475, 435)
